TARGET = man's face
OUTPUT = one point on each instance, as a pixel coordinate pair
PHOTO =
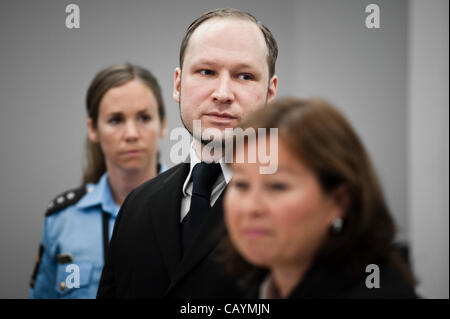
(225, 74)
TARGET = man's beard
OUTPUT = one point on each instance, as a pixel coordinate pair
(213, 142)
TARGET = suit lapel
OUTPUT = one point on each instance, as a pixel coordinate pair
(208, 238)
(165, 216)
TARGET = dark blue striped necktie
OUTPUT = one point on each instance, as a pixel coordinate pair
(203, 177)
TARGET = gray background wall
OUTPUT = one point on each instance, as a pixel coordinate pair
(377, 77)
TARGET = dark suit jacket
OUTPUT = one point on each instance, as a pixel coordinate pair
(144, 257)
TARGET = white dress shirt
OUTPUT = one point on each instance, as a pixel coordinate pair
(218, 186)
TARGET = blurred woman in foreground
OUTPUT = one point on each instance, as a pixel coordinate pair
(319, 226)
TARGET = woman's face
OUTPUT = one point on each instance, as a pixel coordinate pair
(128, 127)
(280, 219)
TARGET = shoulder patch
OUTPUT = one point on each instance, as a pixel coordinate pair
(65, 199)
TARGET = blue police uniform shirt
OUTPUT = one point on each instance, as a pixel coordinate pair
(71, 259)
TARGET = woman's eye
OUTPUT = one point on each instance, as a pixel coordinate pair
(206, 72)
(240, 185)
(277, 186)
(115, 120)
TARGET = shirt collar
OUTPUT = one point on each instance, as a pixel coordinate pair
(162, 167)
(195, 147)
(267, 289)
(100, 194)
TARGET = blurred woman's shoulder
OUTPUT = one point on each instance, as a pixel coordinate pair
(382, 282)
(375, 281)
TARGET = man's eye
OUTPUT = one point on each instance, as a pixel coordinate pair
(246, 76)
(145, 118)
(206, 72)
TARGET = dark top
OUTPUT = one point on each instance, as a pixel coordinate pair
(327, 282)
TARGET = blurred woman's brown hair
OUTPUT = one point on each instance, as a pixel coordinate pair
(323, 140)
(105, 80)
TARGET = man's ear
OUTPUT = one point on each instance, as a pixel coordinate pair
(273, 87)
(177, 85)
(163, 130)
(92, 131)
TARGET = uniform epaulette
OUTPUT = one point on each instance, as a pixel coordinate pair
(65, 199)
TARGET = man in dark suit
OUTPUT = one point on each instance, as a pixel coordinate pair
(166, 236)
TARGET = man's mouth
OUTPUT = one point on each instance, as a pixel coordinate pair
(220, 117)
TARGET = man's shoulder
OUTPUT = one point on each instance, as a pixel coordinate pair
(163, 182)
(152, 196)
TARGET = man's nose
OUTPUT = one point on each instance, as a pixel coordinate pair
(223, 93)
